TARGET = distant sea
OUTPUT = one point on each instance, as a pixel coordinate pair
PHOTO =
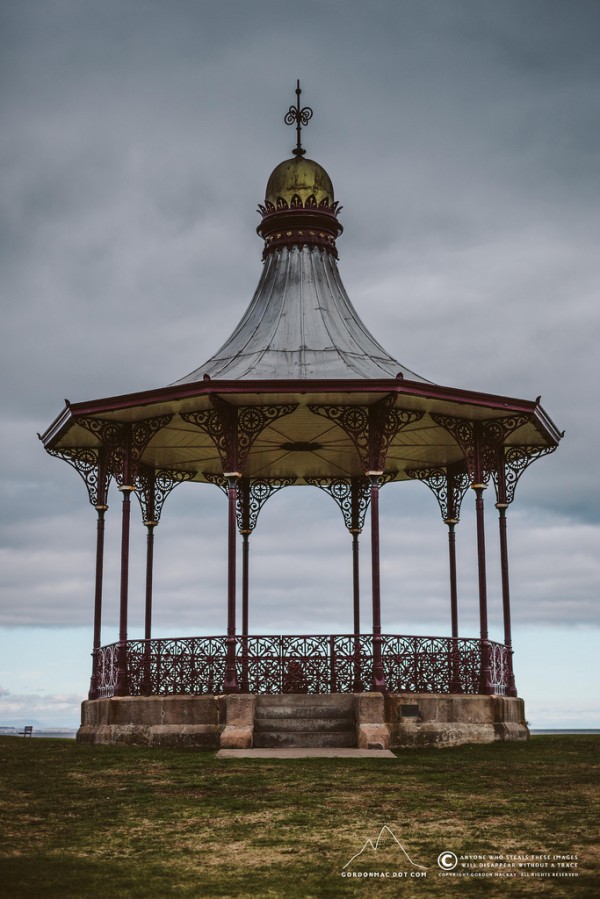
(58, 733)
(564, 730)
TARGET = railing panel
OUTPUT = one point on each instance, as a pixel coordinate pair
(303, 664)
(500, 664)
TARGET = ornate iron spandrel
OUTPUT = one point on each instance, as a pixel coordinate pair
(125, 442)
(142, 433)
(233, 429)
(111, 435)
(371, 428)
(513, 460)
(495, 431)
(449, 486)
(352, 495)
(217, 479)
(252, 494)
(153, 487)
(92, 465)
(480, 440)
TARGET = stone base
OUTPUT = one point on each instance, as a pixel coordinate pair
(441, 720)
(169, 721)
(396, 721)
(239, 721)
(372, 732)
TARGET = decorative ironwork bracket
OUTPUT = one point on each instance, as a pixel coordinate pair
(252, 494)
(153, 487)
(233, 429)
(371, 428)
(125, 443)
(353, 496)
(449, 485)
(480, 441)
(92, 465)
(513, 460)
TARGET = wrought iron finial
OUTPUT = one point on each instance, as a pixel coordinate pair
(300, 117)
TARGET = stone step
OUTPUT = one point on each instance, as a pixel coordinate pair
(304, 739)
(302, 711)
(338, 700)
(294, 725)
(296, 720)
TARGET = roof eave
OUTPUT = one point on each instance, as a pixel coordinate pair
(59, 426)
(400, 386)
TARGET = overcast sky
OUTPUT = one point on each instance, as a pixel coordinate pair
(462, 138)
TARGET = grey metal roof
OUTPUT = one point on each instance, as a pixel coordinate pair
(300, 324)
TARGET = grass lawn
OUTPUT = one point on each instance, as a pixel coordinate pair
(83, 821)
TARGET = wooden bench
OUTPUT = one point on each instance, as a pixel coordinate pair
(27, 731)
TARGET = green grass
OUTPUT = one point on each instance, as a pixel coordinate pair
(84, 821)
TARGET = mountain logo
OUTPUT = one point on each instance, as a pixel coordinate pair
(382, 842)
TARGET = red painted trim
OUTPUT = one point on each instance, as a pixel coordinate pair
(416, 389)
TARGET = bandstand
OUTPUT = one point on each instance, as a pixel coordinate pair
(302, 395)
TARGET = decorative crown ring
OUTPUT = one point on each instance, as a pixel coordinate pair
(301, 117)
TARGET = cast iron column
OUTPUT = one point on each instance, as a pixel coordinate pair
(451, 522)
(245, 607)
(355, 581)
(378, 680)
(150, 525)
(245, 581)
(502, 524)
(357, 685)
(93, 691)
(485, 684)
(230, 684)
(122, 685)
(455, 685)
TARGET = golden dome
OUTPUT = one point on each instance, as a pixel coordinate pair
(300, 176)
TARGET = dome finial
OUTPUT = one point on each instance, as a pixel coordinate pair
(300, 117)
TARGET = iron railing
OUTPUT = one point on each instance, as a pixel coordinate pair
(304, 664)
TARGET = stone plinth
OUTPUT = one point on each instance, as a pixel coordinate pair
(178, 721)
(369, 721)
(429, 719)
(372, 731)
(239, 721)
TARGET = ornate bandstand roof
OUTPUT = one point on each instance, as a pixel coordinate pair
(300, 383)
